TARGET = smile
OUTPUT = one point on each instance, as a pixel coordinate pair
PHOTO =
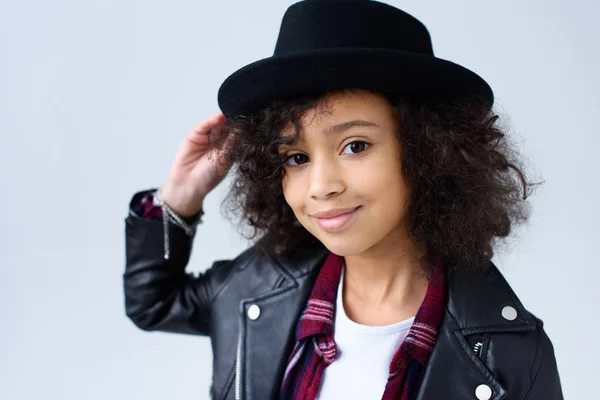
(336, 223)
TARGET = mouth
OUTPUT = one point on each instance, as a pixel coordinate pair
(338, 222)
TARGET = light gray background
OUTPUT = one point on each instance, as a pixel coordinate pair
(95, 98)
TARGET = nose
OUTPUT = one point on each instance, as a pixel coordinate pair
(325, 179)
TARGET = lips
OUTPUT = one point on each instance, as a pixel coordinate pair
(333, 224)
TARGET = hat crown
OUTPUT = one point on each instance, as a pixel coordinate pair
(328, 45)
(311, 25)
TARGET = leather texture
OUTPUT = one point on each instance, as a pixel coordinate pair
(516, 360)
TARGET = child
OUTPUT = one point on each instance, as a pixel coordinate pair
(372, 275)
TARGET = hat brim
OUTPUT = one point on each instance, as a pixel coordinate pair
(389, 71)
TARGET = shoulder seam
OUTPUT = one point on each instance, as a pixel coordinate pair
(536, 365)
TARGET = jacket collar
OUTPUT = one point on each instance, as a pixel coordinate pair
(474, 304)
(476, 294)
(479, 298)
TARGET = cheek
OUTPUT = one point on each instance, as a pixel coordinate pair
(290, 193)
(384, 185)
(379, 178)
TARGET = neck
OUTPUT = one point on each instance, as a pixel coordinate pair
(384, 284)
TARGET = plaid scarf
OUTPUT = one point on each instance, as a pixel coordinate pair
(315, 346)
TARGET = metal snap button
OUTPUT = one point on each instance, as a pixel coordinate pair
(483, 392)
(253, 312)
(509, 313)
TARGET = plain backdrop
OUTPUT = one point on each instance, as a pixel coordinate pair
(95, 97)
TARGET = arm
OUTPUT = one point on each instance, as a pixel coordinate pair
(159, 294)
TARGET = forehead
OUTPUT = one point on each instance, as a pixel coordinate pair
(341, 111)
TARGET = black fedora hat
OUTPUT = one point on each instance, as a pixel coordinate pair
(327, 45)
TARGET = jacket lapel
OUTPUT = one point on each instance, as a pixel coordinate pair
(474, 304)
(273, 332)
(453, 366)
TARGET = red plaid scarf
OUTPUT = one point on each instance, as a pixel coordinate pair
(315, 346)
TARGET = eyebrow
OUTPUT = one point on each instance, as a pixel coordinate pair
(348, 125)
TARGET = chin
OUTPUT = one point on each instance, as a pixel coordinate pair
(344, 245)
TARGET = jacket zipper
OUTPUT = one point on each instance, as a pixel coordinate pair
(238, 365)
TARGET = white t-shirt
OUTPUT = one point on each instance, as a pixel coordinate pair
(364, 354)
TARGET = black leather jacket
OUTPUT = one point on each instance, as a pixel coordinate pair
(476, 344)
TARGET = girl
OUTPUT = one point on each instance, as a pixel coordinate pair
(379, 181)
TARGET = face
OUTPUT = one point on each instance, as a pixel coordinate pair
(348, 157)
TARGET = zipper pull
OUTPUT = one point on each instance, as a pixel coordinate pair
(477, 348)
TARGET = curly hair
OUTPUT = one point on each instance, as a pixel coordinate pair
(464, 174)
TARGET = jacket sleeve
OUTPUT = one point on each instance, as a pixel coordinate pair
(159, 294)
(545, 378)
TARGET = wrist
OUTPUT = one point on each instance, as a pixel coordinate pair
(184, 208)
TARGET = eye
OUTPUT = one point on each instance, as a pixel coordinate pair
(296, 157)
(356, 147)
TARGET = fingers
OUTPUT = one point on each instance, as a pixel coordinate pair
(200, 132)
(204, 126)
